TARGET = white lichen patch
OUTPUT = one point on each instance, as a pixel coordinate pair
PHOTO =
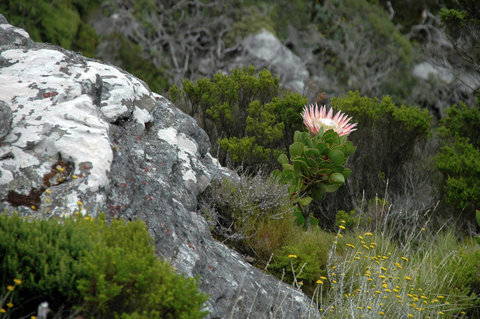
(168, 134)
(52, 116)
(124, 90)
(187, 144)
(187, 150)
(141, 116)
(21, 32)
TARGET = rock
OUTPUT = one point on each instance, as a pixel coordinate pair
(86, 136)
(5, 119)
(425, 69)
(265, 50)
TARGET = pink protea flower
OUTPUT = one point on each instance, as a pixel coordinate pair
(314, 118)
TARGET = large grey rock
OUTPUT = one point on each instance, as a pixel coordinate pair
(89, 137)
(5, 119)
(265, 50)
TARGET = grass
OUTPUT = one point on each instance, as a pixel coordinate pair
(399, 264)
(369, 276)
(374, 278)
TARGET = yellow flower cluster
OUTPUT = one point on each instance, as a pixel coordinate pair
(10, 288)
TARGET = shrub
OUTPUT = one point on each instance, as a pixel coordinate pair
(252, 213)
(459, 157)
(303, 259)
(385, 139)
(349, 220)
(316, 166)
(98, 270)
(244, 114)
(57, 22)
(461, 21)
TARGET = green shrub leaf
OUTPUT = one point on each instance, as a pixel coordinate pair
(296, 149)
(337, 157)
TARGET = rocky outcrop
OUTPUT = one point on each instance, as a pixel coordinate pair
(264, 50)
(80, 135)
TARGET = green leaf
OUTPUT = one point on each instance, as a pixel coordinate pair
(322, 148)
(337, 157)
(338, 168)
(349, 148)
(300, 163)
(477, 213)
(330, 188)
(346, 172)
(282, 159)
(305, 201)
(331, 137)
(312, 152)
(320, 132)
(299, 219)
(307, 139)
(287, 167)
(297, 136)
(311, 162)
(296, 149)
(337, 178)
(297, 169)
(313, 221)
(317, 193)
(277, 174)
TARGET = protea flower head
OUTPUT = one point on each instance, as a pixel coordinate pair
(315, 117)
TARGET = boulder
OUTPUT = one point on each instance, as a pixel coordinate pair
(83, 136)
(264, 50)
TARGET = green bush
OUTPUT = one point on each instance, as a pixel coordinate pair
(243, 113)
(463, 121)
(459, 157)
(385, 139)
(99, 270)
(316, 166)
(58, 22)
(461, 22)
(251, 213)
(348, 219)
(307, 252)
